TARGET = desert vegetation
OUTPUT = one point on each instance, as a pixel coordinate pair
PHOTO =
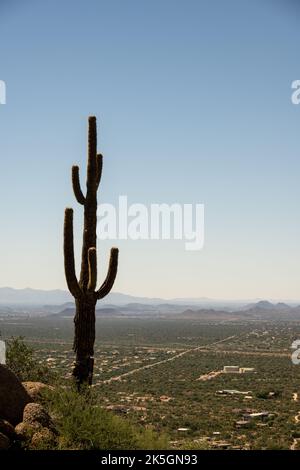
(181, 411)
(59, 417)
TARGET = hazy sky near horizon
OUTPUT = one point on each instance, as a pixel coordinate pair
(193, 100)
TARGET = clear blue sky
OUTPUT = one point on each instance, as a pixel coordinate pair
(193, 105)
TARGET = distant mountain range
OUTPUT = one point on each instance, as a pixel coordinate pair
(132, 309)
(59, 302)
(262, 310)
(266, 305)
(10, 296)
(36, 297)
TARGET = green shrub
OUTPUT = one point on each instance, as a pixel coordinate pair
(20, 359)
(83, 424)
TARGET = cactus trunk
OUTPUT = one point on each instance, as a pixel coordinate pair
(84, 291)
(84, 340)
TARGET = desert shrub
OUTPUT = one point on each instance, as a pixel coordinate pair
(83, 424)
(20, 359)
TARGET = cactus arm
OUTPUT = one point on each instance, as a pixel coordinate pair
(111, 274)
(99, 168)
(76, 185)
(69, 255)
(92, 260)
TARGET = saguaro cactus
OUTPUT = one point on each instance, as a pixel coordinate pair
(85, 292)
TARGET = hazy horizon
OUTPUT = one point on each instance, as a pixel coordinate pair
(191, 299)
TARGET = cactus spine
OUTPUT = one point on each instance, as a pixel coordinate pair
(85, 292)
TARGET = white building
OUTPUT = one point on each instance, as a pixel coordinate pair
(231, 369)
(237, 370)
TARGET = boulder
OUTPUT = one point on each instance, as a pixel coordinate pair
(43, 439)
(34, 413)
(24, 431)
(37, 429)
(13, 396)
(35, 389)
(4, 442)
